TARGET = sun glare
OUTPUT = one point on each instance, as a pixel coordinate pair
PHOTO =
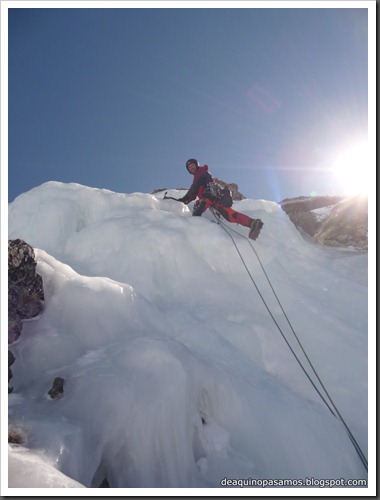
(352, 168)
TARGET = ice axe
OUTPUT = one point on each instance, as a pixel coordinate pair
(170, 197)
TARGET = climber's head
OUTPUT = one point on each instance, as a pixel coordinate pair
(192, 165)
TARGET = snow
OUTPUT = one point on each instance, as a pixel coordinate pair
(322, 213)
(29, 469)
(176, 375)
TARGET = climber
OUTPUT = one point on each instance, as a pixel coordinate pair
(209, 195)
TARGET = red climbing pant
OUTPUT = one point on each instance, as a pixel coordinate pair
(228, 213)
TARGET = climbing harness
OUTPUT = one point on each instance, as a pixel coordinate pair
(336, 414)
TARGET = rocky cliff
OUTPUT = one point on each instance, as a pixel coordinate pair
(331, 220)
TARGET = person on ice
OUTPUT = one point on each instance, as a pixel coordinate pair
(210, 195)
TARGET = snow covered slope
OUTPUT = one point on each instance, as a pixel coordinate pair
(175, 373)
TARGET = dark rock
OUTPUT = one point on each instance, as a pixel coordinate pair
(104, 484)
(56, 390)
(11, 360)
(14, 329)
(15, 436)
(25, 287)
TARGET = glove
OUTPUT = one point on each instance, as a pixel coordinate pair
(183, 200)
(199, 207)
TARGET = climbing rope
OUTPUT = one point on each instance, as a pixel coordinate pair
(337, 413)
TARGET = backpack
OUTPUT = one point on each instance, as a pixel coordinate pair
(225, 198)
(221, 195)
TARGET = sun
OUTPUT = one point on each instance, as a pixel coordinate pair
(352, 169)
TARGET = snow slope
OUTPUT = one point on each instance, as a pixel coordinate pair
(176, 376)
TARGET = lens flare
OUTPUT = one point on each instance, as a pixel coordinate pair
(352, 169)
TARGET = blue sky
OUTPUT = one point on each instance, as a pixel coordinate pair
(121, 98)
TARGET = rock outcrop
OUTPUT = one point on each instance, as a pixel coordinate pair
(25, 287)
(25, 291)
(331, 220)
(347, 225)
(56, 390)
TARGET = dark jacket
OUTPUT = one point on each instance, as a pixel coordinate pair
(201, 183)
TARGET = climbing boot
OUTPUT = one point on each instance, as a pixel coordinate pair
(255, 228)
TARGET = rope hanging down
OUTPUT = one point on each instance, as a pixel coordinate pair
(337, 413)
